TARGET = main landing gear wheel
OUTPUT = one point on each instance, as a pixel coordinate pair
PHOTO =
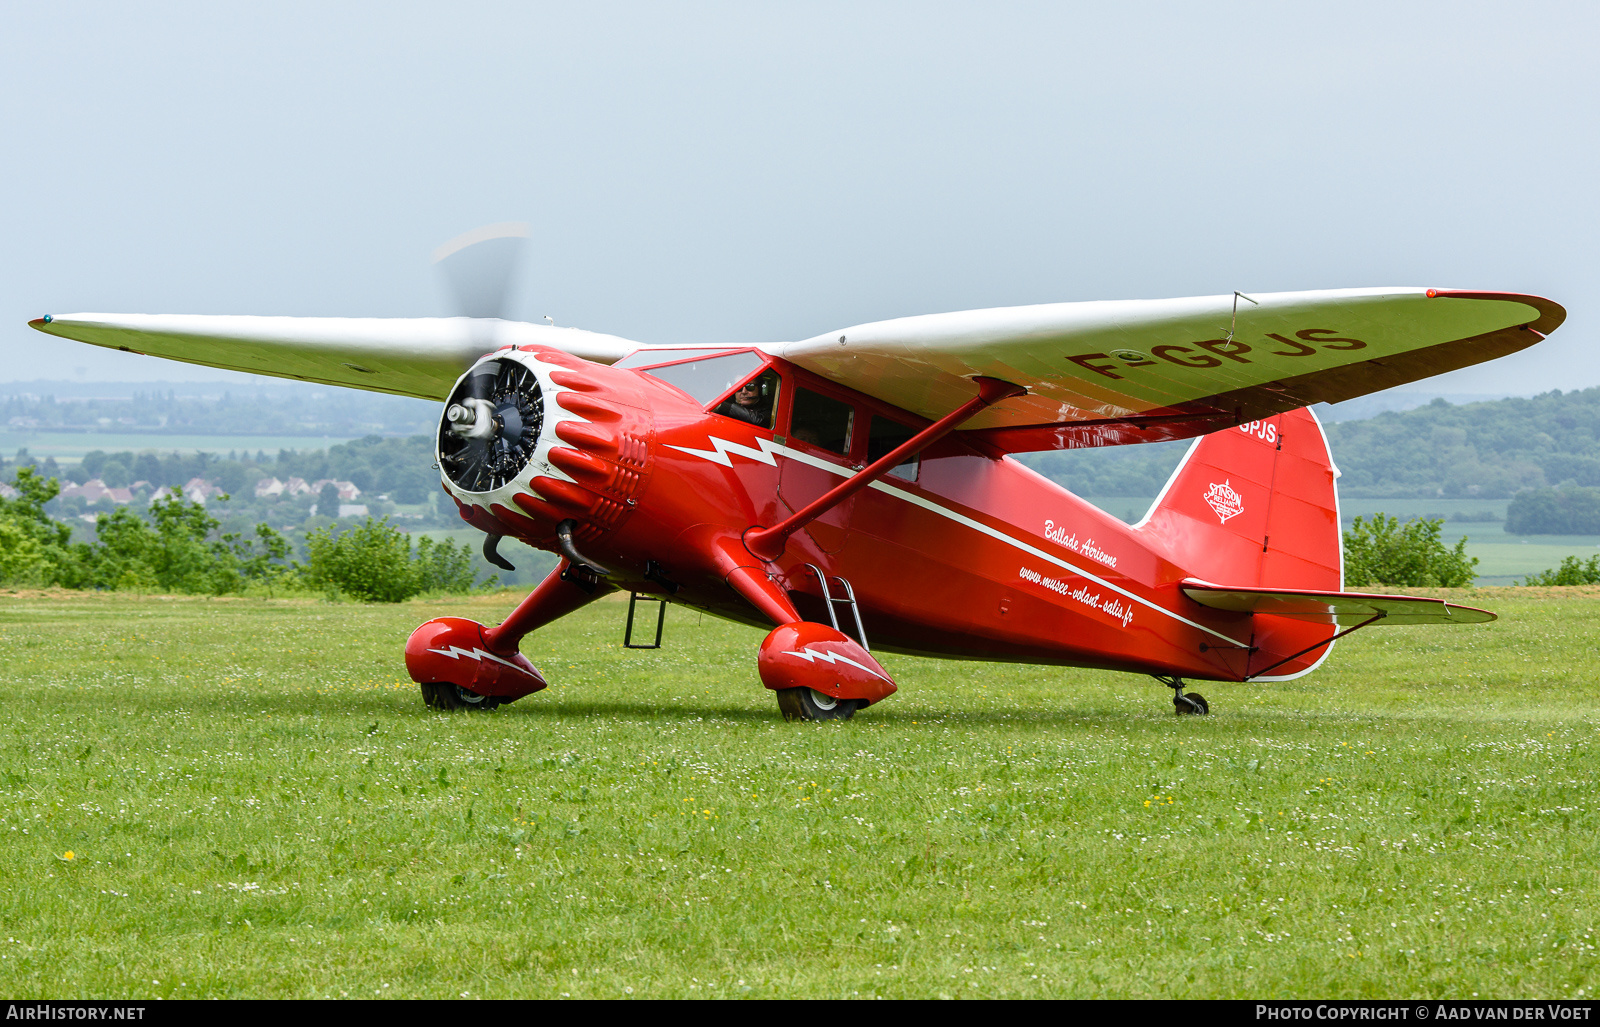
(441, 695)
(809, 704)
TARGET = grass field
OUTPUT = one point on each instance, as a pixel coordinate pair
(247, 798)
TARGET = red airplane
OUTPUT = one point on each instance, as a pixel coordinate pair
(854, 492)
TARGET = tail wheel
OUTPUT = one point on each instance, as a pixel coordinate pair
(442, 695)
(1190, 702)
(809, 704)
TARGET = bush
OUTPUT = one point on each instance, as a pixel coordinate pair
(444, 566)
(374, 562)
(34, 549)
(1568, 510)
(1382, 551)
(1571, 572)
(22, 557)
(178, 549)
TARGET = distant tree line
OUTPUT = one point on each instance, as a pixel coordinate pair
(402, 468)
(283, 410)
(174, 545)
(1542, 452)
(1489, 450)
(1568, 510)
(1135, 471)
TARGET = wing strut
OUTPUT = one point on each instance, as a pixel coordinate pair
(767, 543)
(1370, 620)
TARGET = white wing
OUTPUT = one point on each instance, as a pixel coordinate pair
(1139, 370)
(406, 356)
(1099, 373)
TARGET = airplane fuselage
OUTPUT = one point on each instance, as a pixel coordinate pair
(962, 554)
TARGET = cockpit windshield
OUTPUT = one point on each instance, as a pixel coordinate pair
(709, 378)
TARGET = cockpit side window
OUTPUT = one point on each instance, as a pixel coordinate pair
(821, 420)
(754, 401)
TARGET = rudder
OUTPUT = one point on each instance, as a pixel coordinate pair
(1254, 505)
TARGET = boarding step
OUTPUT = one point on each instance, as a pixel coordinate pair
(848, 599)
(634, 599)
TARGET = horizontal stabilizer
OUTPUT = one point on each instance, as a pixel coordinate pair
(1342, 608)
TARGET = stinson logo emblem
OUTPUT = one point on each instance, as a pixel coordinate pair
(1224, 501)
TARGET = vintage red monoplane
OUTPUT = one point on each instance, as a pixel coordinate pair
(854, 491)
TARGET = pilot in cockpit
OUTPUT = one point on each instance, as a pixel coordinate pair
(753, 401)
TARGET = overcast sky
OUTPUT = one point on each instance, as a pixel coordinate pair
(772, 171)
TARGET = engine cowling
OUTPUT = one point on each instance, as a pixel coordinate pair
(532, 437)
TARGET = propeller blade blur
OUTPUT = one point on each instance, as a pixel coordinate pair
(478, 267)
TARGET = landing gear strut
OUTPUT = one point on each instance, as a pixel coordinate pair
(1194, 702)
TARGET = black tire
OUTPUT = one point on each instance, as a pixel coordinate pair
(1190, 702)
(808, 704)
(441, 695)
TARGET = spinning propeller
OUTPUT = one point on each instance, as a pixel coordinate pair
(478, 267)
(493, 417)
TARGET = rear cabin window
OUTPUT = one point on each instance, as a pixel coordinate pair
(883, 437)
(822, 421)
(707, 379)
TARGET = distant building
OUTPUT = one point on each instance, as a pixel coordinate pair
(348, 493)
(204, 488)
(352, 510)
(297, 487)
(269, 488)
(7, 492)
(95, 490)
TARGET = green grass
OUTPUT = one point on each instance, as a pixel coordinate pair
(256, 803)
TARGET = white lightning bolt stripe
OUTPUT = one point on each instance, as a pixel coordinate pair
(813, 655)
(769, 448)
(455, 653)
(718, 454)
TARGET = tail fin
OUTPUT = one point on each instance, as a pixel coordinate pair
(1254, 505)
